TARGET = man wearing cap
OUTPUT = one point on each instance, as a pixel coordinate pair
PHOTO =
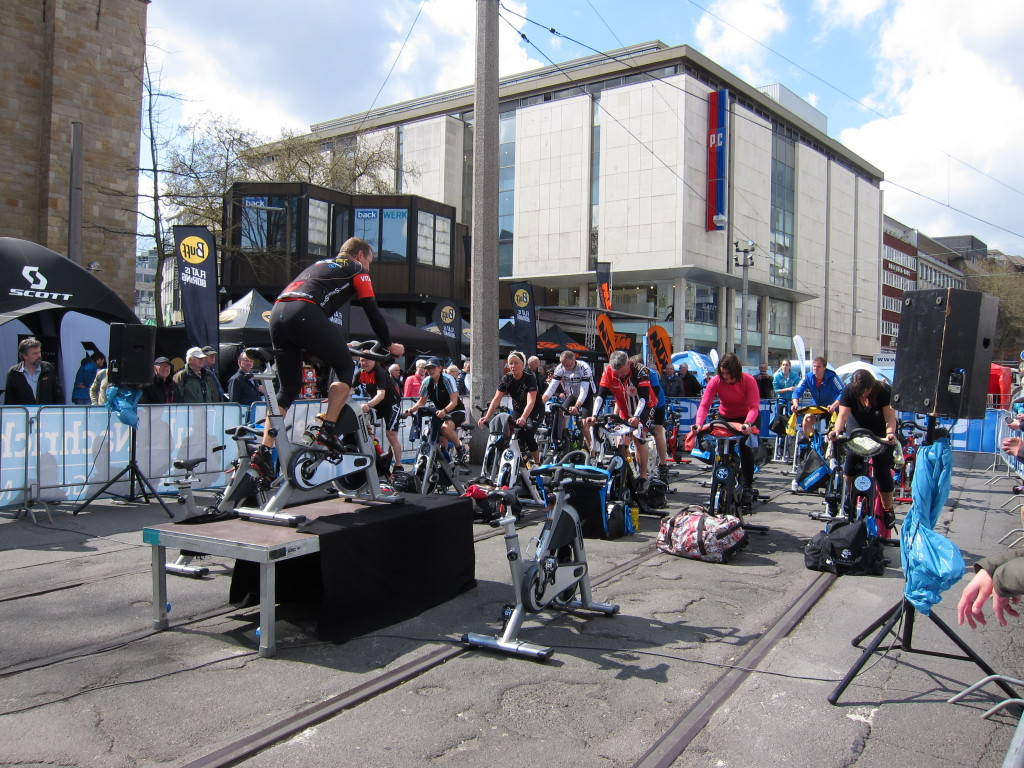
(195, 381)
(162, 390)
(442, 392)
(242, 388)
(301, 322)
(211, 366)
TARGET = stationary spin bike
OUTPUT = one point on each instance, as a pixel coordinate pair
(556, 571)
(351, 474)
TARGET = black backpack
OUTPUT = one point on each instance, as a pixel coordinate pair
(845, 548)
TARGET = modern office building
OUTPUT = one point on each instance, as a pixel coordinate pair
(65, 63)
(703, 192)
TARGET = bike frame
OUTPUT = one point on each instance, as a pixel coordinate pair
(552, 575)
(431, 461)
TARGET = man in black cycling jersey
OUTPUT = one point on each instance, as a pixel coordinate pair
(442, 392)
(385, 399)
(301, 321)
(576, 380)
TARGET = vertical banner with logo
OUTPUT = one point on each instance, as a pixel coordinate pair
(660, 347)
(718, 107)
(604, 284)
(606, 333)
(197, 279)
(526, 318)
(448, 318)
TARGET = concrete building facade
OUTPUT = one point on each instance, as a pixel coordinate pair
(65, 62)
(606, 159)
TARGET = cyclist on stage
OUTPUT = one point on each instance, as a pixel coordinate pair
(301, 321)
(630, 385)
(738, 401)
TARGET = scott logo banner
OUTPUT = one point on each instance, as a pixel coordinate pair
(197, 277)
(526, 318)
(660, 346)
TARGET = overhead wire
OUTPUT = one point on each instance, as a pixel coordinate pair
(393, 65)
(739, 115)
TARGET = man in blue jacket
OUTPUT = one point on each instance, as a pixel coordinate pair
(824, 387)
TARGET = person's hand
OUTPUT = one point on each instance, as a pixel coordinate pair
(831, 436)
(574, 409)
(481, 421)
(745, 428)
(1012, 445)
(397, 349)
(521, 421)
(890, 438)
(590, 421)
(365, 408)
(633, 421)
(971, 607)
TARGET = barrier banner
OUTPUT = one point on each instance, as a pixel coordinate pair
(660, 347)
(603, 270)
(197, 279)
(526, 318)
(448, 318)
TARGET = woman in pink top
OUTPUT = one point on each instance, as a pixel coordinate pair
(738, 401)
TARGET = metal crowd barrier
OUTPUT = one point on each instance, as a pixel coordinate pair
(54, 454)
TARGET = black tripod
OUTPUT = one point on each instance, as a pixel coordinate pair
(135, 475)
(905, 611)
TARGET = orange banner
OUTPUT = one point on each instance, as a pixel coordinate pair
(660, 347)
(606, 333)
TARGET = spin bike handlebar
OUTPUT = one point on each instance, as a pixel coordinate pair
(568, 469)
(863, 442)
(724, 428)
(371, 350)
(814, 410)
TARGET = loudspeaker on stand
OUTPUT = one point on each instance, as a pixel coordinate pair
(130, 363)
(944, 352)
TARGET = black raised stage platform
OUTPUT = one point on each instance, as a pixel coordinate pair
(377, 564)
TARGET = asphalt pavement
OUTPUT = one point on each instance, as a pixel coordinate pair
(700, 656)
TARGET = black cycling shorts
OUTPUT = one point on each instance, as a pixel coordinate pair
(389, 414)
(297, 326)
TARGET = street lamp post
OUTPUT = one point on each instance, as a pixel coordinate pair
(745, 261)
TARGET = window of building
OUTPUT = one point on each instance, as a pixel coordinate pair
(394, 234)
(701, 304)
(780, 317)
(269, 223)
(425, 238)
(506, 191)
(595, 175)
(442, 241)
(367, 226)
(783, 194)
(318, 226)
(342, 226)
(753, 312)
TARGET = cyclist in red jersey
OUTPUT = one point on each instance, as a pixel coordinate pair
(301, 321)
(630, 385)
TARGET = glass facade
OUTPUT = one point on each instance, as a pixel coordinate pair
(433, 240)
(506, 190)
(702, 304)
(780, 270)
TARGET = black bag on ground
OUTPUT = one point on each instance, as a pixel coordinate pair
(845, 548)
(657, 494)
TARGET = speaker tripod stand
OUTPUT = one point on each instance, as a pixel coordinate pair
(137, 481)
(905, 612)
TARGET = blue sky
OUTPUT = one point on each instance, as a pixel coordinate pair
(929, 91)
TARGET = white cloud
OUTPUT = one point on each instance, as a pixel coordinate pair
(847, 12)
(956, 100)
(720, 39)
